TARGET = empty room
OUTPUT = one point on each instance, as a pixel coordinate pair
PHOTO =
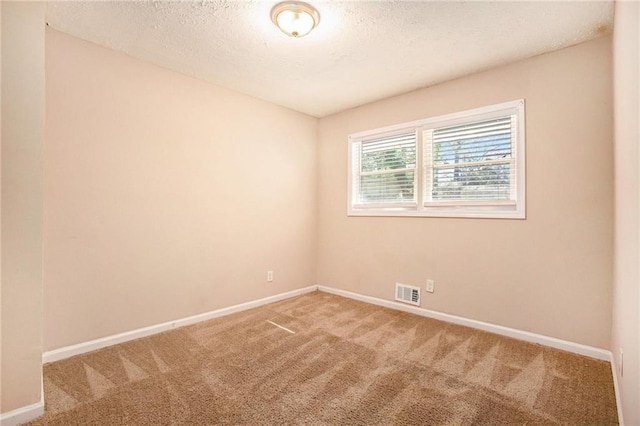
(322, 212)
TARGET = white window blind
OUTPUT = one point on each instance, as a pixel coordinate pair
(384, 170)
(471, 162)
(464, 164)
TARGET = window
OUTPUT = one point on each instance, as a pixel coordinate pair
(467, 164)
(386, 167)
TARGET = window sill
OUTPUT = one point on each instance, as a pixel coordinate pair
(478, 212)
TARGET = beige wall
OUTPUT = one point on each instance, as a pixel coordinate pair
(22, 146)
(549, 274)
(165, 196)
(626, 295)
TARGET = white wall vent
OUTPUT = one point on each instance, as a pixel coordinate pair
(408, 294)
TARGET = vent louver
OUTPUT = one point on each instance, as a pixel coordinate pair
(408, 294)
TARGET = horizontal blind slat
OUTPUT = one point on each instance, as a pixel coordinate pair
(477, 126)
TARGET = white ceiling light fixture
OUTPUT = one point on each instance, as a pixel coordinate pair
(294, 18)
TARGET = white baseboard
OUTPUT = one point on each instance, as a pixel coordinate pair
(564, 345)
(23, 414)
(616, 388)
(80, 348)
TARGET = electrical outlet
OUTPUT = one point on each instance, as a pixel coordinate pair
(269, 276)
(620, 363)
(430, 285)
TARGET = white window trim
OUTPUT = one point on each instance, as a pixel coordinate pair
(463, 209)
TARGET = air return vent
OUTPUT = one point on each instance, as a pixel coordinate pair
(408, 294)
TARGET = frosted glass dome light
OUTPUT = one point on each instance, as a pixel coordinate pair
(295, 19)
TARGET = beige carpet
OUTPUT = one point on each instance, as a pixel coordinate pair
(334, 361)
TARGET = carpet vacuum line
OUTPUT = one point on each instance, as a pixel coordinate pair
(279, 326)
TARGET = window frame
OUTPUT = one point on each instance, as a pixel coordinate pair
(494, 209)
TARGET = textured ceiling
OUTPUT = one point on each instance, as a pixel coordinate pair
(362, 50)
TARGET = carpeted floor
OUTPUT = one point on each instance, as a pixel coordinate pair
(323, 359)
